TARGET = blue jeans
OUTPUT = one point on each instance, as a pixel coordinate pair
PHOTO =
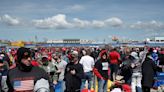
(88, 76)
(60, 86)
(102, 85)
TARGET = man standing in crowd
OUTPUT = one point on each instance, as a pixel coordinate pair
(149, 69)
(50, 68)
(60, 64)
(24, 76)
(88, 63)
(114, 63)
(136, 72)
(73, 74)
(45, 64)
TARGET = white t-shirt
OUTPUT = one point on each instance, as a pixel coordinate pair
(87, 62)
(105, 66)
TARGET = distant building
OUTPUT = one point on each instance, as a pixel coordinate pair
(77, 41)
(87, 41)
(157, 39)
(55, 41)
(73, 41)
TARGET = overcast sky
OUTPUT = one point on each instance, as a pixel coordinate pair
(83, 19)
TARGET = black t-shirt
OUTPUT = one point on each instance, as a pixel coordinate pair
(102, 67)
(24, 81)
(73, 82)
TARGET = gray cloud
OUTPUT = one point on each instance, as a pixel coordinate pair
(151, 25)
(98, 24)
(115, 22)
(59, 21)
(10, 20)
(81, 23)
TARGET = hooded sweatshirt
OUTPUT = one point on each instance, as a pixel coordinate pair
(101, 68)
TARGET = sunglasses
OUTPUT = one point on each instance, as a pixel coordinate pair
(26, 57)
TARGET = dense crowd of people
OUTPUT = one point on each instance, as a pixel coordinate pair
(72, 69)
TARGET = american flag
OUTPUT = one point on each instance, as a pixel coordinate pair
(24, 85)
